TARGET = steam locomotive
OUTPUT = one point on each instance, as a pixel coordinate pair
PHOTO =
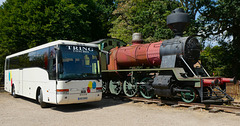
(164, 69)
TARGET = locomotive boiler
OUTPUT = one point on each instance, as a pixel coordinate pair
(164, 69)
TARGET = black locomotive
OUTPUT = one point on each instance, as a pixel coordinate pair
(164, 69)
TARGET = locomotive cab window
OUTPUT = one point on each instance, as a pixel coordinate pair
(110, 43)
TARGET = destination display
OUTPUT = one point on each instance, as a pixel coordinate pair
(80, 49)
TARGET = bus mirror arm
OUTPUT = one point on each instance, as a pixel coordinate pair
(56, 48)
(107, 58)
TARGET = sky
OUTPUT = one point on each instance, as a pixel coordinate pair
(1, 1)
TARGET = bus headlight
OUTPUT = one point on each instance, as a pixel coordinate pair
(99, 89)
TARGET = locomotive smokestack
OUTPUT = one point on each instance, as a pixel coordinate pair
(137, 38)
(177, 21)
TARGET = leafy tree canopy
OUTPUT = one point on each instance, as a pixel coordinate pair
(216, 60)
(28, 23)
(145, 16)
(219, 21)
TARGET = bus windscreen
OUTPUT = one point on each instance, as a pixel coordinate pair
(78, 62)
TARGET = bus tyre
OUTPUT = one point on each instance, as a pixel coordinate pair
(14, 92)
(40, 100)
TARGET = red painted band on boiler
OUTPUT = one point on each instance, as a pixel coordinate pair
(139, 55)
(153, 53)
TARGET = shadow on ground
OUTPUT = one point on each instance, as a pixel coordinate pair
(105, 102)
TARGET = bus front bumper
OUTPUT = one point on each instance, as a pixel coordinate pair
(78, 98)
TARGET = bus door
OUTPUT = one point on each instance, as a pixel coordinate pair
(16, 80)
(20, 82)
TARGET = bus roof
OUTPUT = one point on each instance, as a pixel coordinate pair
(58, 42)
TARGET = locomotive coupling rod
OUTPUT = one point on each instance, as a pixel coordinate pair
(180, 90)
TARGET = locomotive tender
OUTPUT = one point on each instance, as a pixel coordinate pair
(164, 69)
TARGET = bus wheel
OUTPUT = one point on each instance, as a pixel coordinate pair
(14, 92)
(40, 100)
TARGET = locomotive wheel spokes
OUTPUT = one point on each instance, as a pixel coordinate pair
(189, 97)
(129, 89)
(146, 93)
(115, 87)
(104, 87)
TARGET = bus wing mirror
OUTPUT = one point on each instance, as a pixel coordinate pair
(107, 56)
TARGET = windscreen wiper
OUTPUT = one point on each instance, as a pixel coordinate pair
(68, 80)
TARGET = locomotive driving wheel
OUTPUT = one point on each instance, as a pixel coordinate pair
(115, 87)
(105, 87)
(189, 97)
(144, 91)
(129, 89)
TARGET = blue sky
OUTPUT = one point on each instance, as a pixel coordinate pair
(1, 1)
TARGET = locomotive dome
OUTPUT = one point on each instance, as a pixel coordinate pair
(177, 21)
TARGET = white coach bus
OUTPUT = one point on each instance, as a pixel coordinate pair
(59, 72)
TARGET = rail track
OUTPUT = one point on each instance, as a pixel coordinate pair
(233, 108)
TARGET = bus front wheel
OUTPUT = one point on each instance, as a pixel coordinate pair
(14, 92)
(40, 99)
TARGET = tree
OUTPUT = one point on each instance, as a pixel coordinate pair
(28, 23)
(213, 60)
(219, 20)
(145, 16)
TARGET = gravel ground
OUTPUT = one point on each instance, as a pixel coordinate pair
(108, 112)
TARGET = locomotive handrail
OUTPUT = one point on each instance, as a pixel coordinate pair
(187, 65)
(204, 69)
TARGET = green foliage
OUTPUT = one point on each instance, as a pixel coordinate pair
(216, 60)
(218, 21)
(145, 16)
(28, 23)
(222, 20)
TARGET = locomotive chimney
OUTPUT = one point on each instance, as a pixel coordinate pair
(137, 38)
(177, 21)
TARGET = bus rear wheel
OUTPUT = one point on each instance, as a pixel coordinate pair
(40, 100)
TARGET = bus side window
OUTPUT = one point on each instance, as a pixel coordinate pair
(7, 64)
